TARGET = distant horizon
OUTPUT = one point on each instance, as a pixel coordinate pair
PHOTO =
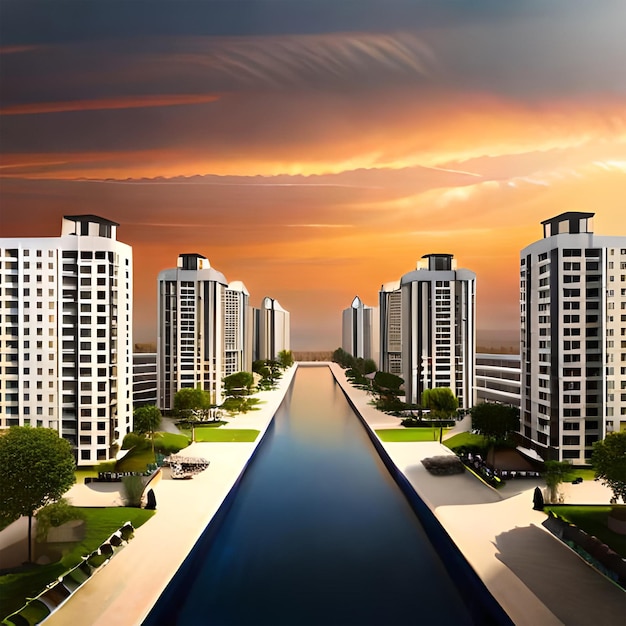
(312, 149)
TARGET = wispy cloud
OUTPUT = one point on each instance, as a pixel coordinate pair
(320, 225)
(305, 60)
(130, 102)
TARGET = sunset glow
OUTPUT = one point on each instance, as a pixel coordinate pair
(315, 161)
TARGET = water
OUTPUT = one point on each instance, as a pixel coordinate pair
(319, 533)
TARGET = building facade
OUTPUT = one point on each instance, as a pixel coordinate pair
(272, 330)
(573, 338)
(428, 330)
(359, 330)
(390, 328)
(144, 378)
(66, 335)
(498, 378)
(202, 325)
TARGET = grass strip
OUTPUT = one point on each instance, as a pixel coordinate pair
(409, 434)
(226, 434)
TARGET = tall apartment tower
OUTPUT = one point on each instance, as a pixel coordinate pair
(273, 329)
(573, 338)
(428, 331)
(390, 328)
(359, 330)
(202, 329)
(66, 335)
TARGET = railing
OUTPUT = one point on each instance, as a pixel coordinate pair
(56, 593)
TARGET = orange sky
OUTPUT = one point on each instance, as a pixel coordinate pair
(315, 167)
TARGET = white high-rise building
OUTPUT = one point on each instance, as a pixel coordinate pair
(360, 328)
(66, 335)
(427, 326)
(202, 329)
(573, 338)
(390, 333)
(273, 330)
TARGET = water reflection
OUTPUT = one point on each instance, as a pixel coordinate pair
(319, 533)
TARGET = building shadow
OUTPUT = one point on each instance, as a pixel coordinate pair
(566, 585)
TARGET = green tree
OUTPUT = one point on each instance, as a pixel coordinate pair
(146, 420)
(554, 474)
(191, 405)
(495, 422)
(387, 387)
(37, 469)
(238, 384)
(285, 358)
(609, 462)
(441, 401)
(369, 366)
(345, 359)
(54, 515)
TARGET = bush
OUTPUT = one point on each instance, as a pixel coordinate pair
(55, 514)
(134, 440)
(133, 487)
(446, 465)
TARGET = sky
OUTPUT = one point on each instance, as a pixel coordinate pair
(315, 149)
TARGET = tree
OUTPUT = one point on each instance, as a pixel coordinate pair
(37, 469)
(387, 386)
(554, 474)
(441, 401)
(369, 366)
(494, 421)
(285, 358)
(609, 462)
(192, 405)
(345, 359)
(238, 384)
(146, 419)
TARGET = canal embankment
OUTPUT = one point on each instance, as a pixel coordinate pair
(534, 577)
(125, 590)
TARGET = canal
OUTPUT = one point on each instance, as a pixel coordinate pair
(318, 534)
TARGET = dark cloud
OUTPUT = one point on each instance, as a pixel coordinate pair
(46, 21)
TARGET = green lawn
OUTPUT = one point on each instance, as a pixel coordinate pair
(137, 460)
(586, 473)
(593, 520)
(410, 434)
(99, 524)
(226, 434)
(170, 443)
(465, 439)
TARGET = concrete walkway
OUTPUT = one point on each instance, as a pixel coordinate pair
(124, 591)
(536, 579)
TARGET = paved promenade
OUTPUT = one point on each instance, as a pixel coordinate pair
(125, 590)
(536, 579)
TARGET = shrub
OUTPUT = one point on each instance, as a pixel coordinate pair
(134, 440)
(55, 514)
(446, 465)
(127, 532)
(133, 487)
